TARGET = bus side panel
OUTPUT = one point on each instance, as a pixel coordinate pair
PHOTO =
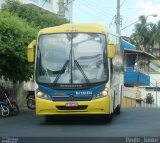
(116, 72)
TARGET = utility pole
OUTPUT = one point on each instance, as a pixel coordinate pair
(156, 93)
(68, 9)
(61, 11)
(118, 19)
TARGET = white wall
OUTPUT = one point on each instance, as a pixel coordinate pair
(29, 85)
(1, 2)
(68, 9)
(129, 92)
(154, 77)
(52, 6)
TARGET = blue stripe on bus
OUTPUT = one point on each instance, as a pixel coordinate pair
(64, 95)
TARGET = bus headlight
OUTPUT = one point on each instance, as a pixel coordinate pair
(43, 96)
(102, 94)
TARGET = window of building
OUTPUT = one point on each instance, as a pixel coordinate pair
(152, 88)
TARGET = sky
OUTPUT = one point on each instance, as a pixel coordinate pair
(104, 11)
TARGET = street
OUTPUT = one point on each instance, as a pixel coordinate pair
(132, 122)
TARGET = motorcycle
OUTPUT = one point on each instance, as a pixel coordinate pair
(31, 100)
(9, 103)
(4, 110)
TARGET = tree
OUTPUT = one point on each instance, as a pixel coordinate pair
(140, 34)
(145, 34)
(149, 98)
(15, 35)
(157, 39)
(35, 16)
(19, 25)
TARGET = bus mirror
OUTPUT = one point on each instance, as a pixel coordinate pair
(30, 51)
(111, 49)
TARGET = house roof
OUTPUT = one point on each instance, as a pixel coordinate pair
(138, 52)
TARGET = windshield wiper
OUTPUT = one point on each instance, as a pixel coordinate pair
(61, 72)
(81, 70)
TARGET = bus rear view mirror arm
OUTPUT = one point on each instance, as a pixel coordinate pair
(30, 51)
(111, 49)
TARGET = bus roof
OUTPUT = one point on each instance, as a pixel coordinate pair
(70, 27)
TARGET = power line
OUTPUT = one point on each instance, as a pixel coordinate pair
(101, 8)
(140, 8)
(85, 11)
(43, 3)
(94, 8)
(122, 3)
(102, 12)
(69, 2)
(114, 17)
(88, 8)
(111, 23)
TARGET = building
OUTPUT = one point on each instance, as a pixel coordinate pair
(154, 88)
(62, 8)
(1, 2)
(130, 96)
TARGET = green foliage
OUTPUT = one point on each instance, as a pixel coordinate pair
(149, 98)
(15, 35)
(146, 34)
(34, 15)
(19, 25)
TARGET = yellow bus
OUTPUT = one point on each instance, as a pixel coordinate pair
(78, 71)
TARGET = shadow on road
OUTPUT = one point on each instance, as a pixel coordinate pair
(75, 120)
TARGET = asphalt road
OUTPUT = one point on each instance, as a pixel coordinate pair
(132, 122)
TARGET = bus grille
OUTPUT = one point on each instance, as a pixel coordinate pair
(72, 98)
(80, 107)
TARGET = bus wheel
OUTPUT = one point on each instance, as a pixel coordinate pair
(49, 118)
(117, 111)
(107, 118)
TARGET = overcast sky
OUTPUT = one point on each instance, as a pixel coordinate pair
(103, 11)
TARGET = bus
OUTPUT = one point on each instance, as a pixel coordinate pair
(78, 71)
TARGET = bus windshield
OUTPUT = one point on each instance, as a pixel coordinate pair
(72, 58)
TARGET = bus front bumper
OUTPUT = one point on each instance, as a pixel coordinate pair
(96, 106)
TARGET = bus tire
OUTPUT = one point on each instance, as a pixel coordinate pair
(31, 103)
(107, 118)
(49, 118)
(117, 111)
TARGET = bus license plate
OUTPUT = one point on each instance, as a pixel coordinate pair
(71, 104)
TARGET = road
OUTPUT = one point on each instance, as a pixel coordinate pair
(132, 122)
